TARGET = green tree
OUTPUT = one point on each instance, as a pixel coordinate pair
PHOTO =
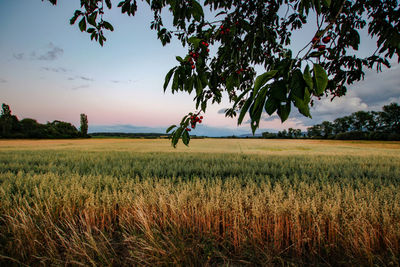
(391, 117)
(342, 125)
(297, 133)
(225, 47)
(363, 121)
(326, 129)
(84, 125)
(314, 131)
(8, 122)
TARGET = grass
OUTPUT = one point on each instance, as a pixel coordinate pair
(219, 202)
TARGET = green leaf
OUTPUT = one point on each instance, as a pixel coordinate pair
(320, 79)
(82, 24)
(297, 84)
(170, 128)
(245, 108)
(257, 108)
(307, 77)
(199, 86)
(108, 26)
(194, 41)
(176, 135)
(279, 91)
(230, 82)
(302, 105)
(175, 82)
(185, 138)
(168, 78)
(92, 19)
(108, 3)
(263, 79)
(316, 54)
(284, 111)
(271, 105)
(197, 11)
(326, 3)
(179, 59)
(91, 30)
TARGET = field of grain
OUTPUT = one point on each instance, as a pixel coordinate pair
(218, 202)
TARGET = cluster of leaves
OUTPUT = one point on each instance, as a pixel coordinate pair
(246, 34)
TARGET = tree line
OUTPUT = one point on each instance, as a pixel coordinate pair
(360, 125)
(11, 127)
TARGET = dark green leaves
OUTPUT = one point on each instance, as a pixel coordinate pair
(108, 26)
(108, 3)
(284, 111)
(82, 24)
(168, 78)
(197, 11)
(170, 128)
(263, 79)
(320, 79)
(185, 137)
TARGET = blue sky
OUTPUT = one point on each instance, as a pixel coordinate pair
(50, 70)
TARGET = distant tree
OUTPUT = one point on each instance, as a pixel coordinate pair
(297, 133)
(326, 129)
(61, 129)
(314, 131)
(363, 121)
(30, 128)
(342, 125)
(269, 135)
(8, 122)
(84, 125)
(391, 117)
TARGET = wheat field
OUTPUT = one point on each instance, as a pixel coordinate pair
(123, 202)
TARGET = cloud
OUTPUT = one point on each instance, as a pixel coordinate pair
(3, 80)
(19, 56)
(53, 53)
(59, 69)
(85, 78)
(115, 81)
(80, 87)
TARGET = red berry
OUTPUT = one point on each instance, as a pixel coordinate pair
(222, 32)
(206, 44)
(222, 26)
(188, 130)
(326, 39)
(321, 47)
(236, 23)
(193, 66)
(315, 39)
(199, 121)
(208, 50)
(201, 117)
(228, 30)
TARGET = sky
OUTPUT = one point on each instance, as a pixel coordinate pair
(49, 70)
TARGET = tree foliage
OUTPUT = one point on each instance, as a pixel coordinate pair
(11, 127)
(382, 125)
(225, 48)
(84, 125)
